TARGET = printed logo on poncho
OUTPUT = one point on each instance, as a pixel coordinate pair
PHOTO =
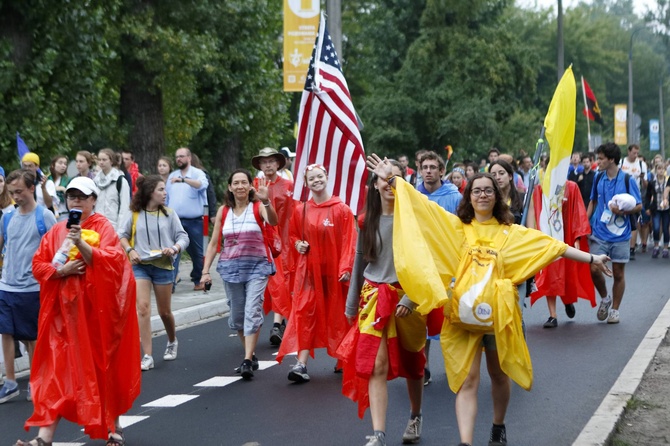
(327, 222)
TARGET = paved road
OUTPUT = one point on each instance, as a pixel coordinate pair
(575, 365)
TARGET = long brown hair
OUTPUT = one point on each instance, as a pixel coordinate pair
(146, 185)
(373, 212)
(516, 204)
(5, 198)
(501, 211)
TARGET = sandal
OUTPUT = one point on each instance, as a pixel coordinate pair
(38, 440)
(113, 441)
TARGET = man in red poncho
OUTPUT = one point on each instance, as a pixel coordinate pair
(86, 363)
(565, 278)
(277, 295)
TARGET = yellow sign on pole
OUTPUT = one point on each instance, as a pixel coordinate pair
(620, 124)
(301, 23)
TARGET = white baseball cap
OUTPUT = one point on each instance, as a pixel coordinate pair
(83, 184)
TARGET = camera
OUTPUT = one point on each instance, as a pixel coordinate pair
(208, 286)
(74, 217)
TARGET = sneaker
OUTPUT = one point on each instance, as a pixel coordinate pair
(644, 248)
(254, 365)
(171, 351)
(276, 336)
(498, 436)
(570, 310)
(551, 323)
(632, 253)
(665, 254)
(246, 369)
(603, 309)
(2, 380)
(613, 317)
(412, 432)
(298, 374)
(29, 396)
(7, 394)
(375, 440)
(426, 377)
(147, 363)
(655, 252)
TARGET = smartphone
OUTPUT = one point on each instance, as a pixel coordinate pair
(208, 286)
(74, 217)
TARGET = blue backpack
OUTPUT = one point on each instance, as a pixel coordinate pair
(39, 221)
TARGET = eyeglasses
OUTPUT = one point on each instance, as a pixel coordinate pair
(180, 156)
(489, 192)
(71, 196)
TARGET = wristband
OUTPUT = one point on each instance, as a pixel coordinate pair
(128, 249)
(267, 204)
(591, 259)
(175, 248)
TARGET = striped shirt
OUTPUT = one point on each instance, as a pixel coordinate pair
(243, 256)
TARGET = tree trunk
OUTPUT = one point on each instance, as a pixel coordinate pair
(228, 157)
(142, 114)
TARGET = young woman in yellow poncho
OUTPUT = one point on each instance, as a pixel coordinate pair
(429, 244)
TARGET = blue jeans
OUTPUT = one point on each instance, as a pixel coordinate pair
(193, 227)
(661, 218)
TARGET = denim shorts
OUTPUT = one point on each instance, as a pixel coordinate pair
(19, 313)
(619, 252)
(157, 276)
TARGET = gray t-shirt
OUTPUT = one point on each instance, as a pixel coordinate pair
(23, 239)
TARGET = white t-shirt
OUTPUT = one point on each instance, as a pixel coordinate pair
(636, 169)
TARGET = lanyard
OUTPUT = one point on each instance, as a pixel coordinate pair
(146, 227)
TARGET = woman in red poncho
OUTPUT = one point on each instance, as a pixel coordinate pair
(324, 235)
(86, 366)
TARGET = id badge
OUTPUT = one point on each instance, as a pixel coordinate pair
(606, 217)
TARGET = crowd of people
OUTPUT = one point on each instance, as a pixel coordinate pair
(349, 284)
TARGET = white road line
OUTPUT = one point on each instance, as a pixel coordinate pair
(262, 365)
(129, 420)
(68, 444)
(170, 401)
(600, 427)
(218, 381)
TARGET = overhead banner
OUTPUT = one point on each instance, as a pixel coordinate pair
(301, 21)
(654, 135)
(620, 119)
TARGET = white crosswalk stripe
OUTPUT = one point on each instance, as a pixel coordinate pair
(170, 401)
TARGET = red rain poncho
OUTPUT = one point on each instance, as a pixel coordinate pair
(317, 319)
(566, 278)
(86, 362)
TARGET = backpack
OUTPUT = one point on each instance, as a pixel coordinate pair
(270, 233)
(626, 179)
(39, 222)
(475, 295)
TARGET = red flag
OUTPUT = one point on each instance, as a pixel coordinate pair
(591, 108)
(328, 131)
(450, 151)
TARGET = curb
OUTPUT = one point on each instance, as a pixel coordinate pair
(602, 425)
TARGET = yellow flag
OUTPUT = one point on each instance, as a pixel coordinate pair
(560, 136)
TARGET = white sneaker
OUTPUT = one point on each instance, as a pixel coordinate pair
(604, 307)
(147, 363)
(613, 317)
(171, 351)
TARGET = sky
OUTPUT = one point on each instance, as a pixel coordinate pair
(640, 6)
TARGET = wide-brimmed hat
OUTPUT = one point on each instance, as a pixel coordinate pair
(83, 184)
(268, 152)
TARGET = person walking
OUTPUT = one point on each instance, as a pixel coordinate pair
(86, 362)
(186, 188)
(483, 254)
(113, 201)
(164, 167)
(245, 262)
(84, 163)
(323, 233)
(387, 337)
(22, 230)
(58, 174)
(152, 236)
(45, 189)
(656, 205)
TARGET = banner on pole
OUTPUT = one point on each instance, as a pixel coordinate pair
(654, 135)
(620, 120)
(301, 20)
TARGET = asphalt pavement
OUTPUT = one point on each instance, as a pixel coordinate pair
(578, 376)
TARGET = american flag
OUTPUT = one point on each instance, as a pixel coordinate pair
(328, 132)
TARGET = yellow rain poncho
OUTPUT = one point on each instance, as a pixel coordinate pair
(428, 245)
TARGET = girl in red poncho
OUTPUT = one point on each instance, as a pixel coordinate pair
(324, 235)
(86, 363)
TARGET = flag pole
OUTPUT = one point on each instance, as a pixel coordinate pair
(539, 148)
(586, 109)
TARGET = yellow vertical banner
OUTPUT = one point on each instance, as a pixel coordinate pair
(620, 124)
(301, 23)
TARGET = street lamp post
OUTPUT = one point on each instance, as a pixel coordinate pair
(631, 125)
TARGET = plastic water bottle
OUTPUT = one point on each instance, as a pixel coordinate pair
(62, 255)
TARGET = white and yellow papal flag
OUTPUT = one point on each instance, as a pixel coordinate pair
(560, 136)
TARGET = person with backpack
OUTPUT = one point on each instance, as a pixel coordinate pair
(611, 227)
(483, 254)
(114, 198)
(152, 236)
(656, 206)
(387, 337)
(245, 262)
(22, 230)
(634, 166)
(323, 233)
